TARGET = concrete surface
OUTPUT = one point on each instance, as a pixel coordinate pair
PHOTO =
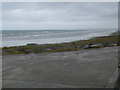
(87, 69)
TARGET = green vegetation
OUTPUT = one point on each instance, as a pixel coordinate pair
(106, 41)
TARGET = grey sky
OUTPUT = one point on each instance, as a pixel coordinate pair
(54, 15)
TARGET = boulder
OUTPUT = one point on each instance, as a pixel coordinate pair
(93, 46)
(87, 46)
(32, 44)
(114, 44)
(96, 45)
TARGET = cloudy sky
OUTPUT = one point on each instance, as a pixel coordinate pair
(59, 15)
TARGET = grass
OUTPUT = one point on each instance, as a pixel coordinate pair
(70, 46)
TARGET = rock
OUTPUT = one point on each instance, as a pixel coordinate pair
(87, 46)
(118, 65)
(93, 46)
(32, 44)
(96, 45)
(118, 44)
(114, 44)
(106, 44)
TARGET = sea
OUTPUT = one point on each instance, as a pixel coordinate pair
(23, 37)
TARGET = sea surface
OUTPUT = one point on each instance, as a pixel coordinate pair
(23, 37)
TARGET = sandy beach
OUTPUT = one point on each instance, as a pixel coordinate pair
(74, 69)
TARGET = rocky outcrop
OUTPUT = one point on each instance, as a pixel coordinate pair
(98, 45)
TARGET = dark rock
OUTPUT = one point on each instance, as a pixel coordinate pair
(118, 65)
(96, 45)
(32, 44)
(118, 44)
(106, 44)
(114, 44)
(93, 46)
(87, 46)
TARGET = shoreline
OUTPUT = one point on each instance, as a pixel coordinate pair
(52, 40)
(95, 42)
(54, 43)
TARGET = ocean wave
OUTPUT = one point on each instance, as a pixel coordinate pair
(51, 37)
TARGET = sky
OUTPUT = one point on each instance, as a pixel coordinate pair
(59, 15)
(0, 17)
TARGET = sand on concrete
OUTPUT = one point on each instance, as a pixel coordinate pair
(84, 69)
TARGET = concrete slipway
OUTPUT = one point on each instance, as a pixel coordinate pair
(93, 68)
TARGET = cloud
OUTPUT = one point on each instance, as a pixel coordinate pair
(63, 15)
(0, 17)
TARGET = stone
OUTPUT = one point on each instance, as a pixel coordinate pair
(96, 45)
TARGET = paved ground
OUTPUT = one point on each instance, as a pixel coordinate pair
(88, 68)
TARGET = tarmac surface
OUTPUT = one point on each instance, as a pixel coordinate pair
(76, 69)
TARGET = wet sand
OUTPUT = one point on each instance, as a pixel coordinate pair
(75, 69)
